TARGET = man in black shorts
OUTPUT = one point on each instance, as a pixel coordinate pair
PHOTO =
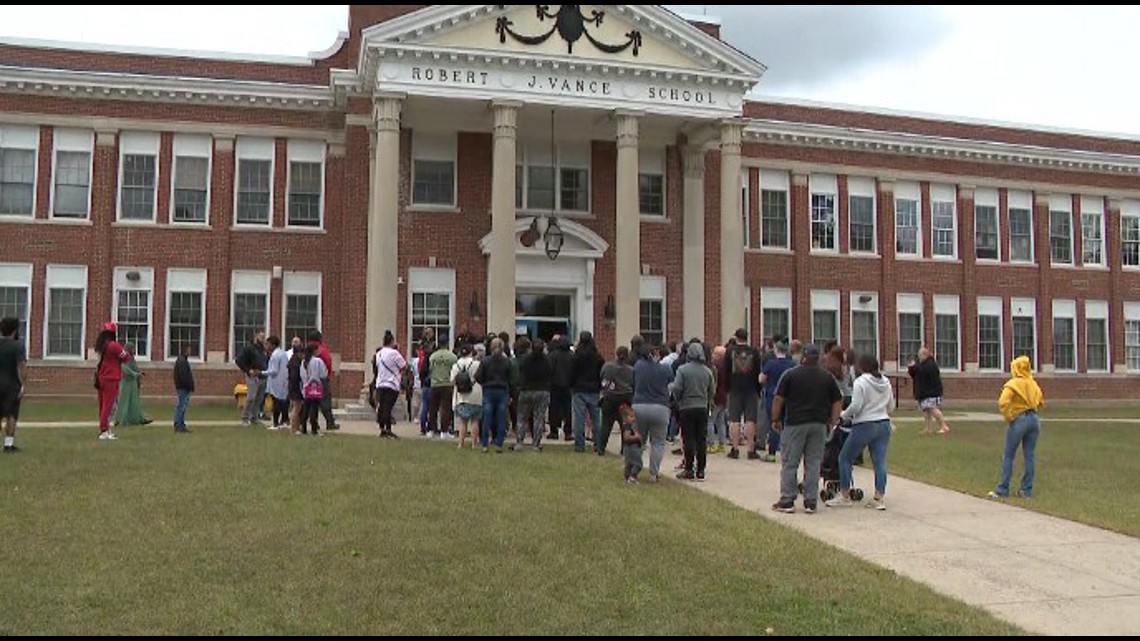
(13, 375)
(742, 367)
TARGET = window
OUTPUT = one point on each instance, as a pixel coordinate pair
(1021, 235)
(1024, 328)
(1061, 236)
(862, 224)
(990, 316)
(651, 182)
(865, 333)
(138, 175)
(1092, 231)
(191, 184)
(908, 237)
(133, 287)
(1130, 233)
(1096, 336)
(66, 311)
(563, 187)
(254, 197)
(302, 304)
(943, 221)
(15, 292)
(774, 218)
(433, 169)
(1064, 335)
(18, 147)
(250, 311)
(824, 317)
(306, 180)
(71, 196)
(432, 294)
(746, 207)
(823, 190)
(653, 322)
(185, 311)
(1132, 336)
(910, 309)
(947, 346)
(776, 313)
(986, 233)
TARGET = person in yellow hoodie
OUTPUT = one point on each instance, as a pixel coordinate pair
(1021, 400)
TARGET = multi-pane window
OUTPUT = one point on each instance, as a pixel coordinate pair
(431, 310)
(946, 340)
(302, 315)
(306, 180)
(1061, 237)
(1064, 344)
(865, 333)
(72, 184)
(1024, 338)
(774, 218)
(1096, 344)
(989, 342)
(251, 314)
(1130, 240)
(776, 313)
(943, 229)
(574, 183)
(66, 309)
(1020, 235)
(1132, 344)
(562, 187)
(652, 321)
(823, 221)
(255, 189)
(132, 314)
(433, 169)
(137, 194)
(776, 322)
(824, 326)
(986, 232)
(191, 185)
(1092, 238)
(17, 181)
(14, 304)
(862, 223)
(185, 325)
(651, 182)
(910, 336)
(906, 226)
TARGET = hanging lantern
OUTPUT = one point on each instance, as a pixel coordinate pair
(553, 238)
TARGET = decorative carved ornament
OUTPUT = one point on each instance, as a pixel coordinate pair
(570, 23)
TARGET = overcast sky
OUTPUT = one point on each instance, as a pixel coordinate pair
(1063, 67)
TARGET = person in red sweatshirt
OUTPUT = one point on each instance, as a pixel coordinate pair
(108, 374)
(316, 339)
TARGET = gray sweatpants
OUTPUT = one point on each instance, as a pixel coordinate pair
(255, 398)
(653, 423)
(801, 442)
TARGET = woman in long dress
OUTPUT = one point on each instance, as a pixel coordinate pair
(129, 408)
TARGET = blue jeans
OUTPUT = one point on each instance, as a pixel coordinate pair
(1023, 431)
(425, 405)
(877, 435)
(494, 416)
(582, 404)
(180, 409)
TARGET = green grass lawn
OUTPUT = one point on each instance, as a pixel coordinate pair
(62, 410)
(1082, 468)
(1059, 409)
(226, 531)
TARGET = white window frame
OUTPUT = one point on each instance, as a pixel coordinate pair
(26, 138)
(746, 205)
(248, 282)
(1062, 203)
(653, 161)
(1065, 309)
(871, 306)
(1021, 200)
(1098, 310)
(145, 283)
(1093, 205)
(948, 306)
(861, 186)
(824, 185)
(186, 281)
(16, 276)
(433, 147)
(1131, 315)
(654, 288)
(988, 306)
(1028, 307)
(72, 141)
(301, 284)
(779, 181)
(911, 304)
(777, 298)
(197, 147)
(432, 280)
(138, 143)
(1129, 209)
(64, 277)
(940, 193)
(255, 149)
(826, 301)
(566, 155)
(909, 191)
(986, 197)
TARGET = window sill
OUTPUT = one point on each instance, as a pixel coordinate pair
(654, 219)
(134, 225)
(1062, 265)
(831, 253)
(278, 230)
(777, 251)
(864, 255)
(541, 213)
(432, 209)
(913, 257)
(987, 261)
(28, 220)
(1022, 263)
(1095, 268)
(189, 225)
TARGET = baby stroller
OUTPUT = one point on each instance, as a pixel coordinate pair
(829, 468)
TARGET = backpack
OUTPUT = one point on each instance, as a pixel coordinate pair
(463, 382)
(742, 361)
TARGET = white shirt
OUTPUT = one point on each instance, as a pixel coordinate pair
(389, 365)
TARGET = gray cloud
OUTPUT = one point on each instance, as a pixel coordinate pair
(806, 47)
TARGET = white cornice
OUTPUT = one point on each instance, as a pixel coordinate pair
(907, 144)
(87, 47)
(196, 91)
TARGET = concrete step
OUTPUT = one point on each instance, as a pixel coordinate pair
(356, 412)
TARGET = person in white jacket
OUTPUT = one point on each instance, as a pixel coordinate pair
(869, 416)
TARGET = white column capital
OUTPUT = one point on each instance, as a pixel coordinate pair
(731, 135)
(693, 159)
(386, 112)
(627, 128)
(506, 117)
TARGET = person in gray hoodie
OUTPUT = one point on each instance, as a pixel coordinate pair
(693, 391)
(869, 415)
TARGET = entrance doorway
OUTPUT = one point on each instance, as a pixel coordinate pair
(544, 314)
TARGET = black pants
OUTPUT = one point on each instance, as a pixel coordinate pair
(326, 405)
(440, 412)
(280, 411)
(385, 400)
(561, 414)
(610, 404)
(311, 412)
(694, 432)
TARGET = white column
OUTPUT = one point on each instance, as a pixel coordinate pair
(693, 259)
(383, 221)
(501, 266)
(731, 232)
(627, 292)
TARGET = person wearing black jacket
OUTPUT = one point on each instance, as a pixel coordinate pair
(562, 366)
(927, 383)
(296, 397)
(183, 387)
(494, 376)
(535, 373)
(252, 361)
(586, 385)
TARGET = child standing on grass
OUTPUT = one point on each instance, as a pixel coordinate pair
(630, 443)
(183, 387)
(1020, 401)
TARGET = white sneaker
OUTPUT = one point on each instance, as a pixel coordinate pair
(876, 504)
(272, 428)
(839, 501)
(108, 436)
(447, 436)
